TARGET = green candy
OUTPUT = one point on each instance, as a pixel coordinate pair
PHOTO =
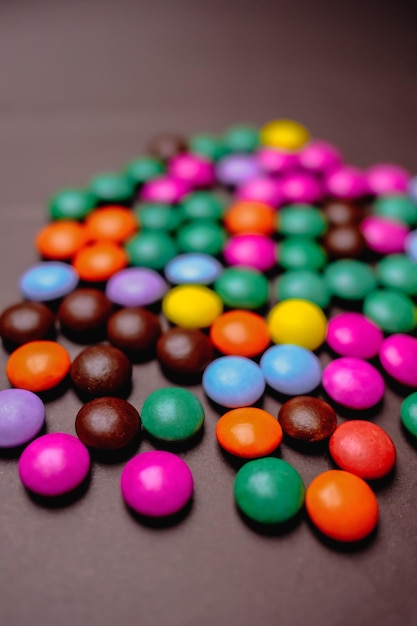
(172, 414)
(398, 208)
(299, 253)
(408, 413)
(158, 216)
(208, 146)
(242, 288)
(141, 170)
(304, 285)
(204, 205)
(112, 187)
(151, 249)
(71, 204)
(242, 138)
(204, 236)
(269, 490)
(349, 279)
(391, 310)
(302, 220)
(397, 271)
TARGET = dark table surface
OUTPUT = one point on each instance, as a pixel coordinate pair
(83, 85)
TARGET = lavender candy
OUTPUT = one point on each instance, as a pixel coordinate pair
(22, 414)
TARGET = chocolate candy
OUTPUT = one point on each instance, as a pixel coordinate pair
(184, 351)
(107, 423)
(342, 213)
(307, 419)
(133, 329)
(164, 146)
(344, 242)
(84, 311)
(101, 371)
(26, 321)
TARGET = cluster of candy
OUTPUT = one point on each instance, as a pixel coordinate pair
(298, 214)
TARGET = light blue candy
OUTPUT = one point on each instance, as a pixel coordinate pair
(193, 268)
(290, 369)
(411, 245)
(48, 281)
(233, 381)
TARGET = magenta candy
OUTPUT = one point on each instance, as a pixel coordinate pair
(164, 189)
(234, 170)
(54, 464)
(353, 383)
(354, 335)
(320, 157)
(195, 170)
(276, 161)
(384, 235)
(256, 251)
(136, 286)
(398, 356)
(300, 187)
(156, 483)
(387, 178)
(347, 183)
(265, 190)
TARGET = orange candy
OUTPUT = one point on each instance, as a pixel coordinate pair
(61, 240)
(248, 216)
(96, 263)
(248, 432)
(240, 332)
(111, 223)
(342, 505)
(38, 365)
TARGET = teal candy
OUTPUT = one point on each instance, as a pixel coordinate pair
(209, 146)
(408, 414)
(391, 310)
(397, 271)
(141, 170)
(304, 285)
(301, 253)
(399, 208)
(158, 216)
(204, 236)
(112, 188)
(151, 249)
(242, 138)
(349, 279)
(203, 205)
(71, 204)
(242, 288)
(172, 414)
(301, 220)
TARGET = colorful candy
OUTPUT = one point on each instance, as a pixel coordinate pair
(172, 414)
(192, 306)
(48, 281)
(291, 369)
(193, 267)
(22, 415)
(251, 250)
(248, 432)
(398, 356)
(233, 381)
(136, 286)
(38, 365)
(298, 322)
(353, 383)
(352, 334)
(240, 332)
(307, 419)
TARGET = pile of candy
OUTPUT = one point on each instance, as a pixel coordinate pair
(179, 256)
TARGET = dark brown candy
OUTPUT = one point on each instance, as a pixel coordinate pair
(340, 212)
(107, 423)
(101, 371)
(184, 351)
(344, 242)
(134, 329)
(26, 321)
(166, 145)
(84, 313)
(307, 419)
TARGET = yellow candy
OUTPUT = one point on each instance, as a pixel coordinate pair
(192, 306)
(299, 322)
(284, 134)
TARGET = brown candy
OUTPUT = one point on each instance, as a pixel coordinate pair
(340, 212)
(84, 311)
(184, 351)
(344, 242)
(101, 371)
(307, 419)
(26, 321)
(107, 423)
(166, 145)
(134, 329)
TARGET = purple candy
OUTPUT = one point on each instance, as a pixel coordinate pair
(275, 161)
(22, 414)
(265, 190)
(54, 464)
(136, 286)
(353, 383)
(156, 483)
(165, 189)
(234, 170)
(195, 170)
(300, 187)
(320, 157)
(347, 183)
(387, 178)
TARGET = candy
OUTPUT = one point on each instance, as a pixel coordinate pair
(384, 235)
(172, 414)
(301, 253)
(396, 207)
(107, 423)
(251, 250)
(112, 188)
(386, 178)
(411, 245)
(284, 134)
(99, 261)
(38, 365)
(192, 306)
(307, 419)
(320, 157)
(71, 204)
(205, 236)
(164, 189)
(265, 190)
(202, 205)
(61, 240)
(346, 182)
(133, 330)
(151, 249)
(240, 332)
(397, 271)
(26, 321)
(408, 414)
(156, 483)
(22, 415)
(101, 370)
(233, 381)
(297, 322)
(166, 145)
(242, 138)
(141, 170)
(291, 369)
(207, 145)
(242, 288)
(341, 212)
(302, 285)
(298, 187)
(184, 351)
(269, 491)
(194, 169)
(157, 216)
(398, 356)
(301, 220)
(111, 223)
(193, 267)
(83, 314)
(344, 242)
(48, 281)
(250, 217)
(248, 432)
(349, 279)
(352, 334)
(391, 310)
(353, 383)
(233, 170)
(276, 161)
(54, 464)
(136, 286)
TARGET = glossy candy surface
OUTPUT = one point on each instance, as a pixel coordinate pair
(396, 207)
(194, 169)
(164, 189)
(151, 249)
(101, 370)
(235, 169)
(284, 134)
(48, 281)
(193, 267)
(111, 223)
(302, 285)
(346, 183)
(384, 235)
(409, 414)
(307, 419)
(112, 188)
(250, 217)
(107, 423)
(301, 253)
(205, 236)
(240, 332)
(136, 286)
(202, 205)
(134, 330)
(398, 356)
(26, 321)
(172, 414)
(22, 415)
(38, 365)
(233, 381)
(157, 216)
(192, 306)
(71, 204)
(397, 271)
(251, 250)
(391, 310)
(262, 190)
(60, 240)
(349, 279)
(99, 261)
(84, 313)
(184, 351)
(242, 288)
(297, 322)
(141, 170)
(291, 369)
(248, 432)
(352, 334)
(353, 383)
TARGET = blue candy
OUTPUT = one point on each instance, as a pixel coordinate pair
(290, 369)
(233, 381)
(48, 281)
(411, 245)
(193, 268)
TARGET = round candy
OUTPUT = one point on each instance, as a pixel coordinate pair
(411, 245)
(107, 423)
(233, 381)
(250, 217)
(384, 235)
(269, 491)
(349, 279)
(398, 272)
(22, 415)
(54, 464)
(398, 356)
(133, 330)
(151, 249)
(184, 351)
(298, 187)
(233, 170)
(84, 311)
(71, 204)
(344, 242)
(141, 170)
(240, 332)
(205, 236)
(297, 322)
(172, 414)
(60, 240)
(346, 182)
(209, 146)
(242, 138)
(202, 205)
(320, 157)
(396, 207)
(192, 306)
(387, 178)
(101, 370)
(26, 321)
(352, 334)
(248, 432)
(164, 189)
(276, 161)
(307, 419)
(353, 383)
(342, 506)
(263, 190)
(157, 216)
(291, 369)
(38, 365)
(285, 134)
(391, 310)
(166, 145)
(112, 188)
(409, 414)
(301, 253)
(111, 223)
(301, 220)
(342, 213)
(363, 448)
(242, 288)
(48, 281)
(136, 286)
(302, 285)
(156, 483)
(194, 169)
(96, 263)
(193, 267)
(251, 250)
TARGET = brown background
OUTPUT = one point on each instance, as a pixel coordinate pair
(83, 84)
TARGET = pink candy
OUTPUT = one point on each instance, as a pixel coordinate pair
(398, 356)
(193, 169)
(384, 235)
(265, 190)
(164, 189)
(256, 251)
(347, 183)
(300, 187)
(387, 178)
(276, 161)
(320, 157)
(353, 383)
(353, 335)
